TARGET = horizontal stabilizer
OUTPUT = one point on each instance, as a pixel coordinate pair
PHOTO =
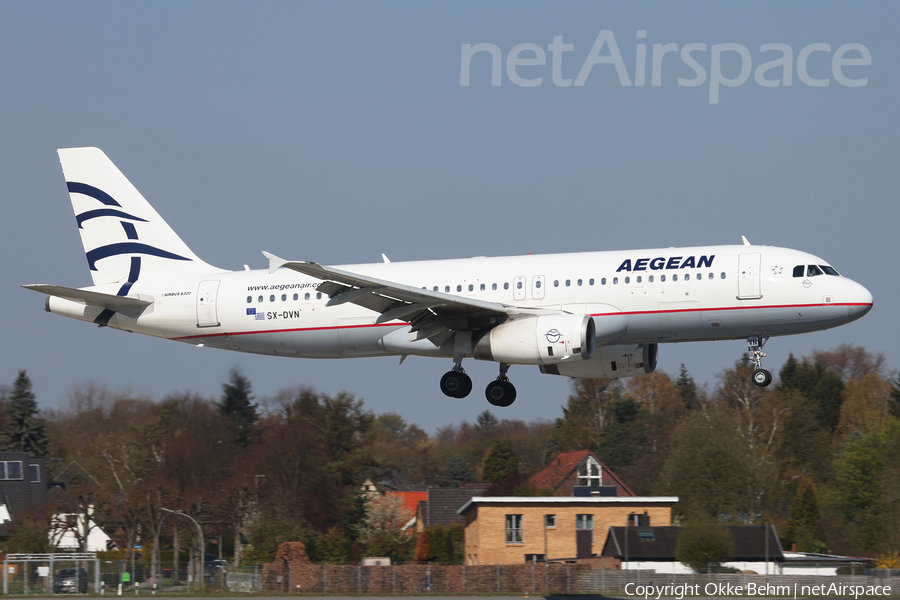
(123, 304)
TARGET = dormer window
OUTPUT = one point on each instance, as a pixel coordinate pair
(590, 473)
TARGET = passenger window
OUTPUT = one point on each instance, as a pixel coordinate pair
(471, 288)
(813, 271)
(318, 295)
(494, 286)
(603, 281)
(662, 277)
(556, 283)
(591, 281)
(435, 289)
(249, 299)
(628, 280)
(578, 283)
(615, 280)
(506, 285)
(272, 298)
(650, 279)
(296, 296)
(459, 288)
(306, 297)
(568, 282)
(283, 297)
(675, 277)
(260, 299)
(711, 276)
(798, 271)
(447, 288)
(482, 287)
(638, 278)
(687, 276)
(722, 275)
(537, 284)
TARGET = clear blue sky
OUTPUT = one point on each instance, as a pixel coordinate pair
(337, 131)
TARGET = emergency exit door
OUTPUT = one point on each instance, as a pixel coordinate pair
(748, 277)
(207, 316)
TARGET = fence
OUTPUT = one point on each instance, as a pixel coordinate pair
(635, 582)
(49, 573)
(300, 577)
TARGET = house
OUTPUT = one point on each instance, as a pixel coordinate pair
(645, 547)
(513, 530)
(23, 487)
(581, 469)
(441, 505)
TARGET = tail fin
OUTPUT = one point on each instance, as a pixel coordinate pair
(123, 236)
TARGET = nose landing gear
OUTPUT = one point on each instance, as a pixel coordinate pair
(761, 377)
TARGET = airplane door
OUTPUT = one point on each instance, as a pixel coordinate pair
(537, 287)
(748, 277)
(207, 315)
(519, 291)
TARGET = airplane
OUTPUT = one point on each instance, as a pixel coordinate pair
(586, 315)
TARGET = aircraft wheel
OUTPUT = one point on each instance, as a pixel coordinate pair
(500, 393)
(456, 384)
(762, 378)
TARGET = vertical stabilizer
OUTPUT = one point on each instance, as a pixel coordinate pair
(124, 238)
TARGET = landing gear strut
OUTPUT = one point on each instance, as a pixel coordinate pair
(501, 392)
(761, 377)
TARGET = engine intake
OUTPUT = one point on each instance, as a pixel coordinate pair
(543, 340)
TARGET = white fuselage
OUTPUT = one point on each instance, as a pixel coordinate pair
(664, 295)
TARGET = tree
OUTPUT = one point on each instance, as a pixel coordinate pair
(587, 412)
(457, 472)
(819, 384)
(25, 431)
(855, 492)
(237, 406)
(866, 404)
(381, 533)
(894, 405)
(850, 362)
(501, 462)
(802, 528)
(333, 547)
(687, 387)
(703, 545)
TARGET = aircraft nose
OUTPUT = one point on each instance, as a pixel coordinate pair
(860, 301)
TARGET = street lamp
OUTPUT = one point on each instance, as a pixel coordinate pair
(202, 545)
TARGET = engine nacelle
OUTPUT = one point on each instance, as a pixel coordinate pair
(610, 362)
(543, 340)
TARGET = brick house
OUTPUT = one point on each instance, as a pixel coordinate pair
(511, 530)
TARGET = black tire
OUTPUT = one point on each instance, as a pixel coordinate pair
(456, 384)
(500, 393)
(762, 378)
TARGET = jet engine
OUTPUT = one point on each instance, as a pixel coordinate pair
(610, 362)
(542, 340)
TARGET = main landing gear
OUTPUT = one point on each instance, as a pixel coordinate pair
(761, 377)
(500, 392)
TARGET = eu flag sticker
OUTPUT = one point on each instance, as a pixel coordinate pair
(251, 311)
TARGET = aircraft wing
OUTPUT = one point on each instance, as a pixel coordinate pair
(429, 313)
(125, 304)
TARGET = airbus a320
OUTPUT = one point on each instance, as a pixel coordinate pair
(591, 314)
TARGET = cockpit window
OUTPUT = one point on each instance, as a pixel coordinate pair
(798, 270)
(829, 270)
(813, 271)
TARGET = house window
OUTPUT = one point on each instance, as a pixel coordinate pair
(514, 529)
(531, 559)
(584, 523)
(11, 469)
(590, 473)
(34, 472)
(646, 535)
(550, 521)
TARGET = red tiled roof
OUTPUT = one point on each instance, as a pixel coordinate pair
(411, 500)
(563, 467)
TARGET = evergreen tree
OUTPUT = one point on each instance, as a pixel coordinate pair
(501, 461)
(24, 431)
(486, 424)
(894, 401)
(332, 547)
(819, 385)
(551, 448)
(238, 408)
(856, 490)
(687, 387)
(457, 472)
(804, 518)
